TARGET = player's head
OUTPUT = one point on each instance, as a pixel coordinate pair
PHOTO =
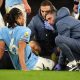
(35, 47)
(14, 17)
(45, 7)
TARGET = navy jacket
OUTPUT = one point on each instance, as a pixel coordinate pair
(46, 38)
(67, 25)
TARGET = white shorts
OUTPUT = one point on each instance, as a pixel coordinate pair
(1, 21)
(44, 64)
(19, 6)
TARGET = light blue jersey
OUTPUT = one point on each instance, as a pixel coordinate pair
(9, 3)
(11, 37)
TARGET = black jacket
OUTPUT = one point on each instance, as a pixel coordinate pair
(46, 38)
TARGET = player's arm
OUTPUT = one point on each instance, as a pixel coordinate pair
(1, 2)
(27, 7)
(2, 49)
(22, 43)
(21, 52)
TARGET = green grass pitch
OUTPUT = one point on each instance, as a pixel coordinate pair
(38, 75)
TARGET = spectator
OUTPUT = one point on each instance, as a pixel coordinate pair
(76, 9)
(68, 39)
(40, 31)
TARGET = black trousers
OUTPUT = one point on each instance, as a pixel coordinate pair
(5, 62)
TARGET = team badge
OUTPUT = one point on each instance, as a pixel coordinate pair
(26, 34)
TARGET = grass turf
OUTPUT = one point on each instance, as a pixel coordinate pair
(38, 75)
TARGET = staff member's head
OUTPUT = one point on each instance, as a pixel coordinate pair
(51, 17)
(45, 7)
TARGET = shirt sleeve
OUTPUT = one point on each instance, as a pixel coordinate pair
(1, 38)
(25, 35)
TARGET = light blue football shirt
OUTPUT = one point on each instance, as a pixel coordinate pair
(9, 3)
(11, 37)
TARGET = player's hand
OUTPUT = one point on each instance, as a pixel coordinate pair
(28, 9)
(75, 8)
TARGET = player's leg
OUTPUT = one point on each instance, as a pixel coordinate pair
(44, 64)
(1, 21)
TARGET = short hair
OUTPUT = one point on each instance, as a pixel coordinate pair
(51, 12)
(48, 3)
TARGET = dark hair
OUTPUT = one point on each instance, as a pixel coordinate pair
(51, 12)
(48, 3)
(11, 17)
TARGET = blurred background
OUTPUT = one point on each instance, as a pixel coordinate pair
(57, 3)
(36, 3)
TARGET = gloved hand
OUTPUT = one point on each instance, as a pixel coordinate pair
(48, 26)
(57, 67)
